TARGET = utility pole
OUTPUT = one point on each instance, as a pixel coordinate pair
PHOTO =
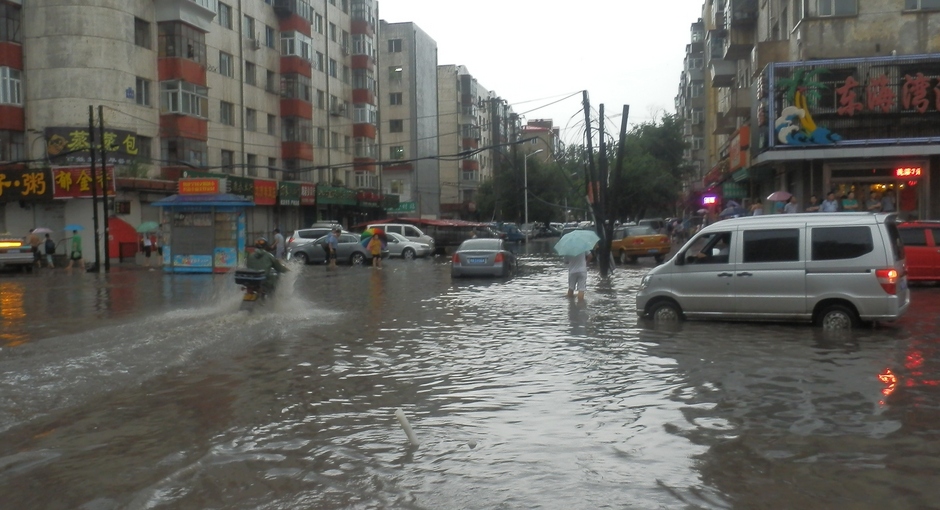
(104, 190)
(603, 225)
(589, 153)
(94, 185)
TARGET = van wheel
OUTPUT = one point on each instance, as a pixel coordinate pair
(665, 311)
(837, 316)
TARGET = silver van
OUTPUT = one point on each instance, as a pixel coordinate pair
(412, 232)
(833, 269)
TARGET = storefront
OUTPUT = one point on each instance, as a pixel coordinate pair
(206, 228)
(870, 127)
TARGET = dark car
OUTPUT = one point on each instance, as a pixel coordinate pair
(483, 257)
(922, 249)
(350, 251)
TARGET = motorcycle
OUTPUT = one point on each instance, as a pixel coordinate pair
(252, 282)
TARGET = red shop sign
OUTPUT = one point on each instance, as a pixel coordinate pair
(265, 192)
(76, 182)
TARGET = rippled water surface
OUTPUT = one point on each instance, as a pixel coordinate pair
(145, 390)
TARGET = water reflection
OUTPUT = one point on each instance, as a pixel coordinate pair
(12, 313)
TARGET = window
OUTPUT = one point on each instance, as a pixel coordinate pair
(295, 86)
(838, 8)
(333, 68)
(270, 37)
(698, 88)
(226, 66)
(921, 5)
(333, 32)
(318, 61)
(297, 44)
(394, 45)
(252, 162)
(10, 20)
(296, 129)
(10, 86)
(347, 144)
(142, 91)
(186, 150)
(177, 39)
(251, 119)
(144, 148)
(914, 236)
(321, 137)
(364, 147)
(781, 245)
(12, 145)
(318, 23)
(396, 126)
(225, 15)
(272, 167)
(362, 45)
(698, 143)
(184, 98)
(248, 27)
(251, 73)
(364, 79)
(835, 243)
(698, 115)
(346, 75)
(395, 98)
(344, 41)
(396, 187)
(141, 32)
(228, 158)
(227, 113)
(396, 152)
(272, 124)
(366, 113)
(270, 81)
(334, 140)
(321, 99)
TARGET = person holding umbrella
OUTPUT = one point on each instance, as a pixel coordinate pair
(576, 247)
(75, 253)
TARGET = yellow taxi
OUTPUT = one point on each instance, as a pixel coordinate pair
(631, 242)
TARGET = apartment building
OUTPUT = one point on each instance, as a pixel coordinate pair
(410, 140)
(812, 96)
(277, 96)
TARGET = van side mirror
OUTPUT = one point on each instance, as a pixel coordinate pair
(680, 259)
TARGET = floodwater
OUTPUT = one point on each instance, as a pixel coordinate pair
(140, 390)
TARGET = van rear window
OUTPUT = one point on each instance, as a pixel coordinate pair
(836, 243)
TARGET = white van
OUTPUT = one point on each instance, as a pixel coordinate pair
(834, 269)
(412, 232)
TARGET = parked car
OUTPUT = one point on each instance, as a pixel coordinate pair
(411, 232)
(401, 246)
(658, 224)
(15, 252)
(483, 257)
(350, 251)
(631, 242)
(309, 235)
(834, 269)
(510, 232)
(921, 249)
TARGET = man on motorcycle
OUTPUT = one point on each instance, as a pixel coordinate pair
(262, 260)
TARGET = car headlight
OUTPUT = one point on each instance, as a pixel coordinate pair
(645, 281)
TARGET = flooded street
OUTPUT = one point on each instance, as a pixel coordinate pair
(146, 390)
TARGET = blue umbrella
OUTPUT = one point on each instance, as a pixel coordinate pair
(74, 227)
(576, 242)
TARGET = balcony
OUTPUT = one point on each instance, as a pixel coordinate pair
(724, 124)
(723, 72)
(741, 14)
(737, 103)
(285, 8)
(769, 52)
(186, 11)
(718, 16)
(738, 44)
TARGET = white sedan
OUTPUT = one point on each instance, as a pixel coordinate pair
(401, 246)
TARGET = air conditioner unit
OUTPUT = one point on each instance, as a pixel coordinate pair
(256, 43)
(338, 110)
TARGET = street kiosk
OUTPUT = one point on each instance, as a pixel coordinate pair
(204, 228)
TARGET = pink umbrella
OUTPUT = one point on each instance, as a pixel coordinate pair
(779, 196)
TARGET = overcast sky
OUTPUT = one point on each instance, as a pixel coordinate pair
(536, 52)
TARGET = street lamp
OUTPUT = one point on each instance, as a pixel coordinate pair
(525, 186)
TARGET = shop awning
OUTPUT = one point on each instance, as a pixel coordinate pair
(208, 200)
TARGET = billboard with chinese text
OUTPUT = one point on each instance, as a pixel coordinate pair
(25, 185)
(846, 102)
(76, 182)
(71, 146)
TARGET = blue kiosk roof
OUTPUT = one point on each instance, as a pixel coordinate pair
(212, 199)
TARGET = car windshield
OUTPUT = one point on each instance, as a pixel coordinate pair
(640, 231)
(480, 244)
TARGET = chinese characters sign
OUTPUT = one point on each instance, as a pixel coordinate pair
(265, 192)
(908, 172)
(878, 100)
(199, 186)
(76, 182)
(27, 185)
(72, 145)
